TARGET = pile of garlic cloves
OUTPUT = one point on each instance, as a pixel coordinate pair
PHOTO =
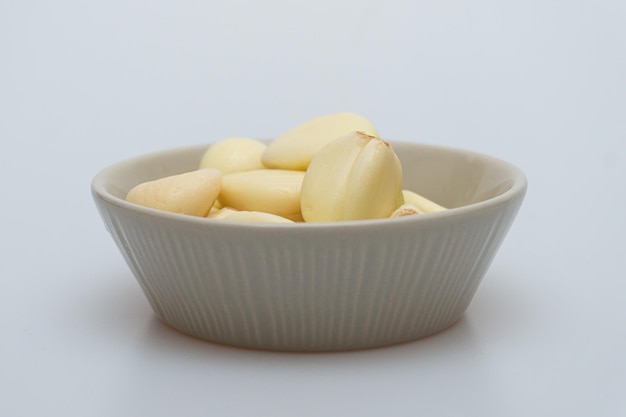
(330, 168)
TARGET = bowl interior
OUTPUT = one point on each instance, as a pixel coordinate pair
(450, 177)
(454, 177)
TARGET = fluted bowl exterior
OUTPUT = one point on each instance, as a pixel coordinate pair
(319, 286)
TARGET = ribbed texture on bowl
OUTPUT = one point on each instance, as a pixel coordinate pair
(316, 289)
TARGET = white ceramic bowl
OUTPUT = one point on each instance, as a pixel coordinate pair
(318, 286)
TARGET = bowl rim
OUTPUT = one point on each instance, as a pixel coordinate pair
(517, 189)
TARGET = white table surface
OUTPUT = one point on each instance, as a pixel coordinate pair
(541, 84)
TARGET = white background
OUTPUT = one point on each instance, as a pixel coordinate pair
(538, 83)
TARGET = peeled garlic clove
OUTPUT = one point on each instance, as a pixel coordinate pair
(422, 203)
(254, 216)
(273, 191)
(406, 209)
(234, 155)
(355, 177)
(399, 199)
(217, 205)
(192, 193)
(295, 148)
(221, 213)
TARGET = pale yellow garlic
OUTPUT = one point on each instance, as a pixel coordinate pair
(220, 213)
(217, 205)
(192, 193)
(399, 199)
(422, 203)
(354, 177)
(295, 148)
(406, 209)
(273, 191)
(254, 216)
(234, 155)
